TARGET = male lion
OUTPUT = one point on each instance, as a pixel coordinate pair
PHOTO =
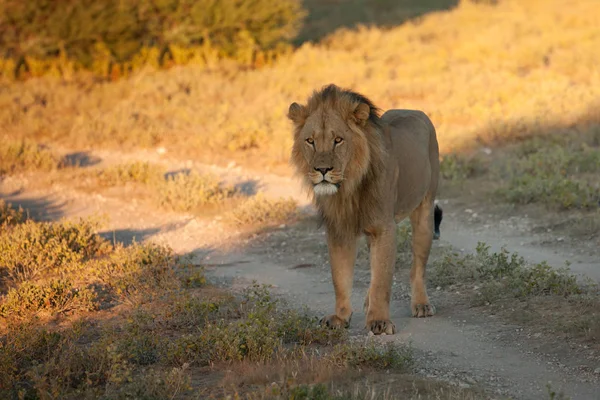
(366, 173)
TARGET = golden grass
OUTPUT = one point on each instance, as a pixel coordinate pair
(481, 72)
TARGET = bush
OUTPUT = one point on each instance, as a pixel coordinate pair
(56, 296)
(140, 172)
(24, 155)
(10, 216)
(555, 175)
(455, 167)
(504, 274)
(35, 363)
(135, 273)
(390, 356)
(87, 30)
(261, 210)
(29, 249)
(186, 192)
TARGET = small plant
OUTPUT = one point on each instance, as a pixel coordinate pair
(10, 216)
(455, 167)
(389, 356)
(261, 210)
(32, 248)
(503, 274)
(186, 192)
(136, 273)
(57, 296)
(139, 172)
(557, 176)
(25, 155)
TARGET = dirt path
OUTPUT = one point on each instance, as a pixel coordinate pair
(458, 344)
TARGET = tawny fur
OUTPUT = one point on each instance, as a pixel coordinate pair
(384, 169)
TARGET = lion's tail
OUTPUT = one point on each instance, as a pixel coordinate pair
(437, 220)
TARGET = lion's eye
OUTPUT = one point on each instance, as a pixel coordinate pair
(310, 141)
(338, 140)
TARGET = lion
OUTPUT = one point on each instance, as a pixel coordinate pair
(366, 173)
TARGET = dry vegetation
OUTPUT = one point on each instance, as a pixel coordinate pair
(168, 330)
(80, 316)
(490, 73)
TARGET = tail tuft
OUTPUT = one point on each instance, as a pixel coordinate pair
(437, 220)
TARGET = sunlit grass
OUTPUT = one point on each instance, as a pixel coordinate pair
(480, 71)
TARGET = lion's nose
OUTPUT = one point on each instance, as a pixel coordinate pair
(323, 170)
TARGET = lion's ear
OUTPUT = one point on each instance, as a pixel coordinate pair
(297, 113)
(361, 113)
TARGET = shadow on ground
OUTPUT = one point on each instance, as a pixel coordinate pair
(38, 208)
(128, 236)
(81, 159)
(326, 16)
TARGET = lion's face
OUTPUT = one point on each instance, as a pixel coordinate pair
(329, 148)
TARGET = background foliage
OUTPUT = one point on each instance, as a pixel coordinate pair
(96, 35)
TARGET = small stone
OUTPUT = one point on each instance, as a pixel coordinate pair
(597, 371)
(438, 288)
(370, 333)
(161, 150)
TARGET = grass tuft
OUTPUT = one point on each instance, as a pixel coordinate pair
(262, 210)
(10, 216)
(18, 156)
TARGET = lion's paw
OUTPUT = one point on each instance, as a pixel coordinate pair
(381, 327)
(422, 310)
(334, 322)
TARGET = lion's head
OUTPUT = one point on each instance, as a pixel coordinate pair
(335, 137)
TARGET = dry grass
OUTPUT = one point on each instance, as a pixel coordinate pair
(484, 72)
(92, 319)
(17, 156)
(10, 215)
(180, 191)
(260, 210)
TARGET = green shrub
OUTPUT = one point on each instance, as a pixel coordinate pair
(32, 248)
(139, 272)
(26, 155)
(503, 274)
(186, 192)
(557, 176)
(140, 172)
(56, 296)
(37, 363)
(87, 30)
(261, 210)
(389, 356)
(455, 167)
(10, 216)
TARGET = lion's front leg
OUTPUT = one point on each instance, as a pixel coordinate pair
(383, 256)
(342, 256)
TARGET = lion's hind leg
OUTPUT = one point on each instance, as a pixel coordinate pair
(422, 226)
